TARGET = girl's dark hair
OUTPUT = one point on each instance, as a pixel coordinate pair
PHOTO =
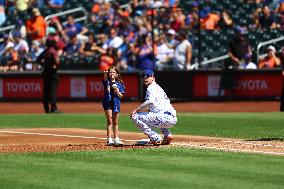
(118, 78)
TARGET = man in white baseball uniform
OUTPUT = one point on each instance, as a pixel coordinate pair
(155, 112)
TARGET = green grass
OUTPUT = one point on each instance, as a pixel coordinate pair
(141, 168)
(148, 168)
(261, 126)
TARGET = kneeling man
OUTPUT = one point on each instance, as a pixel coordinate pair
(155, 112)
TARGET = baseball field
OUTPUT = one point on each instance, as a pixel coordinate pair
(216, 145)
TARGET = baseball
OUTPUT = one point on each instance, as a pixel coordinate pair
(114, 86)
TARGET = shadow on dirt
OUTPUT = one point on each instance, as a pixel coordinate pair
(269, 139)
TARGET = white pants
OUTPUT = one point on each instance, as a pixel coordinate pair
(146, 121)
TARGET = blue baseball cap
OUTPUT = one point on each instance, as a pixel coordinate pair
(148, 73)
(205, 12)
(5, 36)
(17, 34)
(195, 3)
(241, 30)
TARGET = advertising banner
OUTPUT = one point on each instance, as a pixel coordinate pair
(78, 87)
(246, 85)
(202, 85)
(1, 88)
(22, 87)
(69, 87)
(258, 85)
(214, 85)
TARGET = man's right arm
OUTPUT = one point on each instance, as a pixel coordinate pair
(233, 58)
(56, 59)
(188, 56)
(144, 105)
(282, 62)
(281, 55)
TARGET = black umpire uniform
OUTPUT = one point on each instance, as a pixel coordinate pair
(49, 60)
(282, 94)
(238, 48)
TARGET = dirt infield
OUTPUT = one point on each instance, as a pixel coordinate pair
(126, 107)
(51, 140)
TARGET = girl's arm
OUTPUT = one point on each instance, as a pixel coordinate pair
(105, 76)
(119, 94)
(106, 82)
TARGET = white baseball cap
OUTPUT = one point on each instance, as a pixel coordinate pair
(270, 47)
(172, 32)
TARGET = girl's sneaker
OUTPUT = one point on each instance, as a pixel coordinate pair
(117, 142)
(110, 142)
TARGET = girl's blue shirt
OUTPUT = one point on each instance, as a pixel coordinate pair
(111, 100)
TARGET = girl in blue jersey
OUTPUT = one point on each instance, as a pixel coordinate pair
(114, 90)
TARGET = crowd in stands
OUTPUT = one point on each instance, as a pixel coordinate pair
(142, 34)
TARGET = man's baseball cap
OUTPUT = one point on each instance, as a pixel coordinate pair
(6, 36)
(195, 4)
(148, 73)
(271, 48)
(17, 34)
(172, 32)
(205, 12)
(241, 30)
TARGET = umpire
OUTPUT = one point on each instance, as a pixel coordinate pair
(49, 60)
(282, 94)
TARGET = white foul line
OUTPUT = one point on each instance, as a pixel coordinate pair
(177, 144)
(57, 135)
(229, 149)
(251, 143)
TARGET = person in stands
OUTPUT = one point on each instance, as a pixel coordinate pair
(271, 60)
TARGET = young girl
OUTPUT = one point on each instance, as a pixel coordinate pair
(114, 90)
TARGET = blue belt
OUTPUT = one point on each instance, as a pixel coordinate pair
(168, 113)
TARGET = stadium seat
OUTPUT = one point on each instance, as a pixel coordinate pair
(212, 43)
